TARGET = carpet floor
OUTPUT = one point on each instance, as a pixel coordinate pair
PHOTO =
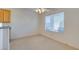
(37, 42)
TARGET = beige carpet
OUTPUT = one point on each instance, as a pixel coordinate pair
(37, 42)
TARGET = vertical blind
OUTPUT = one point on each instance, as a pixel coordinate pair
(55, 22)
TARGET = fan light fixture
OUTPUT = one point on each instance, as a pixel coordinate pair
(40, 10)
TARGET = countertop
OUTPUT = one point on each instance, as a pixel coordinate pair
(5, 27)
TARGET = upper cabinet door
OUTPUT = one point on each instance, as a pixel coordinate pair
(1, 16)
(7, 16)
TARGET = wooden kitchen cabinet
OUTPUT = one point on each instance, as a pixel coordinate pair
(4, 16)
(1, 16)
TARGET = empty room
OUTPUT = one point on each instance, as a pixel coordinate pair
(39, 29)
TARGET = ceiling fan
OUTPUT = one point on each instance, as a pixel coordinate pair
(44, 10)
(41, 10)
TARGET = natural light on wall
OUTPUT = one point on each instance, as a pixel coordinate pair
(55, 22)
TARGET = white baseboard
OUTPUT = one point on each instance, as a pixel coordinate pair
(67, 44)
(28, 35)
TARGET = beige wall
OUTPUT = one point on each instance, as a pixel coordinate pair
(71, 34)
(24, 22)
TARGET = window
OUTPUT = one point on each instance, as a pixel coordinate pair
(0, 24)
(55, 22)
